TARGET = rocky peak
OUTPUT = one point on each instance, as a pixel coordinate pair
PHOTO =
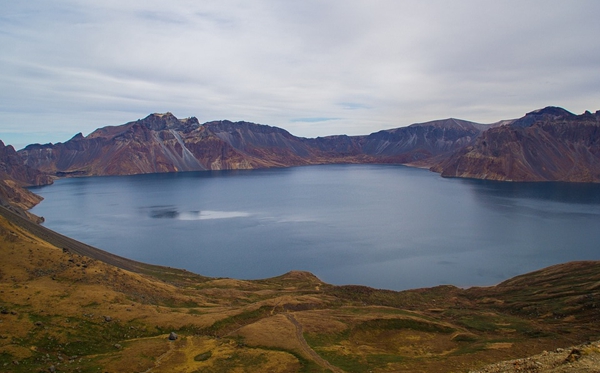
(10, 162)
(450, 123)
(14, 175)
(167, 121)
(229, 126)
(77, 137)
(547, 113)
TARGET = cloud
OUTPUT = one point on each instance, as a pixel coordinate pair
(353, 106)
(71, 65)
(312, 120)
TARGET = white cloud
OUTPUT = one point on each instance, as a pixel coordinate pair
(70, 66)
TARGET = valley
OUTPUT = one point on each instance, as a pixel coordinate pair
(66, 306)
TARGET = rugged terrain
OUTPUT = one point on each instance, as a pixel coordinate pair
(550, 144)
(14, 177)
(163, 143)
(68, 307)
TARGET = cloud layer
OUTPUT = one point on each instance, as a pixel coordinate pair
(313, 67)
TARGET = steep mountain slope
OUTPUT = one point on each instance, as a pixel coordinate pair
(154, 144)
(14, 176)
(550, 144)
(163, 143)
(422, 141)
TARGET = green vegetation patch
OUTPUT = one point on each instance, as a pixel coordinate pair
(237, 321)
(464, 337)
(80, 336)
(404, 323)
(322, 342)
(203, 356)
(396, 299)
(240, 360)
(174, 303)
(306, 365)
(174, 276)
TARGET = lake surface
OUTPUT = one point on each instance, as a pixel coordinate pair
(383, 226)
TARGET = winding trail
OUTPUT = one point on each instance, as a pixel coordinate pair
(158, 361)
(306, 348)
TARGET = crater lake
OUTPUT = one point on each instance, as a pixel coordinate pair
(383, 226)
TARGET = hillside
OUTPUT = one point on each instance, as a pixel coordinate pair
(550, 144)
(68, 307)
(14, 177)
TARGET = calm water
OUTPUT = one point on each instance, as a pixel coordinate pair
(383, 226)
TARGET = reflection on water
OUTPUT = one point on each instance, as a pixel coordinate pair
(577, 193)
(163, 212)
(172, 212)
(568, 200)
(383, 226)
(208, 215)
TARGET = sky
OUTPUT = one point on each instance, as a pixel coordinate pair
(315, 68)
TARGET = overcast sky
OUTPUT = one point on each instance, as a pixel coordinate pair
(315, 68)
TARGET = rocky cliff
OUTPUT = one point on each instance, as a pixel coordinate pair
(14, 176)
(422, 141)
(163, 143)
(550, 144)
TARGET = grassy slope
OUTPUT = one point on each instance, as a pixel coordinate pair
(73, 310)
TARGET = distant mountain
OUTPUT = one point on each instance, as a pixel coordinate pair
(421, 142)
(163, 143)
(549, 144)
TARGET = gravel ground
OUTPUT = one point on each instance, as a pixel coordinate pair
(579, 359)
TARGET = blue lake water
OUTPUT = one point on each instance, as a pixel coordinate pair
(383, 226)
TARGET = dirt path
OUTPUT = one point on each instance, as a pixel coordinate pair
(306, 348)
(159, 359)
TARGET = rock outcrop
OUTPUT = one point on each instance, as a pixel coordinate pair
(14, 176)
(421, 142)
(550, 144)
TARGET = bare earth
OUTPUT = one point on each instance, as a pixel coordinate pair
(580, 359)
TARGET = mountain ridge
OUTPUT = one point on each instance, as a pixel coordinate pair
(163, 143)
(548, 144)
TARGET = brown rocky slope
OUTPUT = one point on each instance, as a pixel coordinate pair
(14, 177)
(550, 144)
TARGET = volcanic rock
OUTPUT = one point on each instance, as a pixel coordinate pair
(163, 143)
(550, 144)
